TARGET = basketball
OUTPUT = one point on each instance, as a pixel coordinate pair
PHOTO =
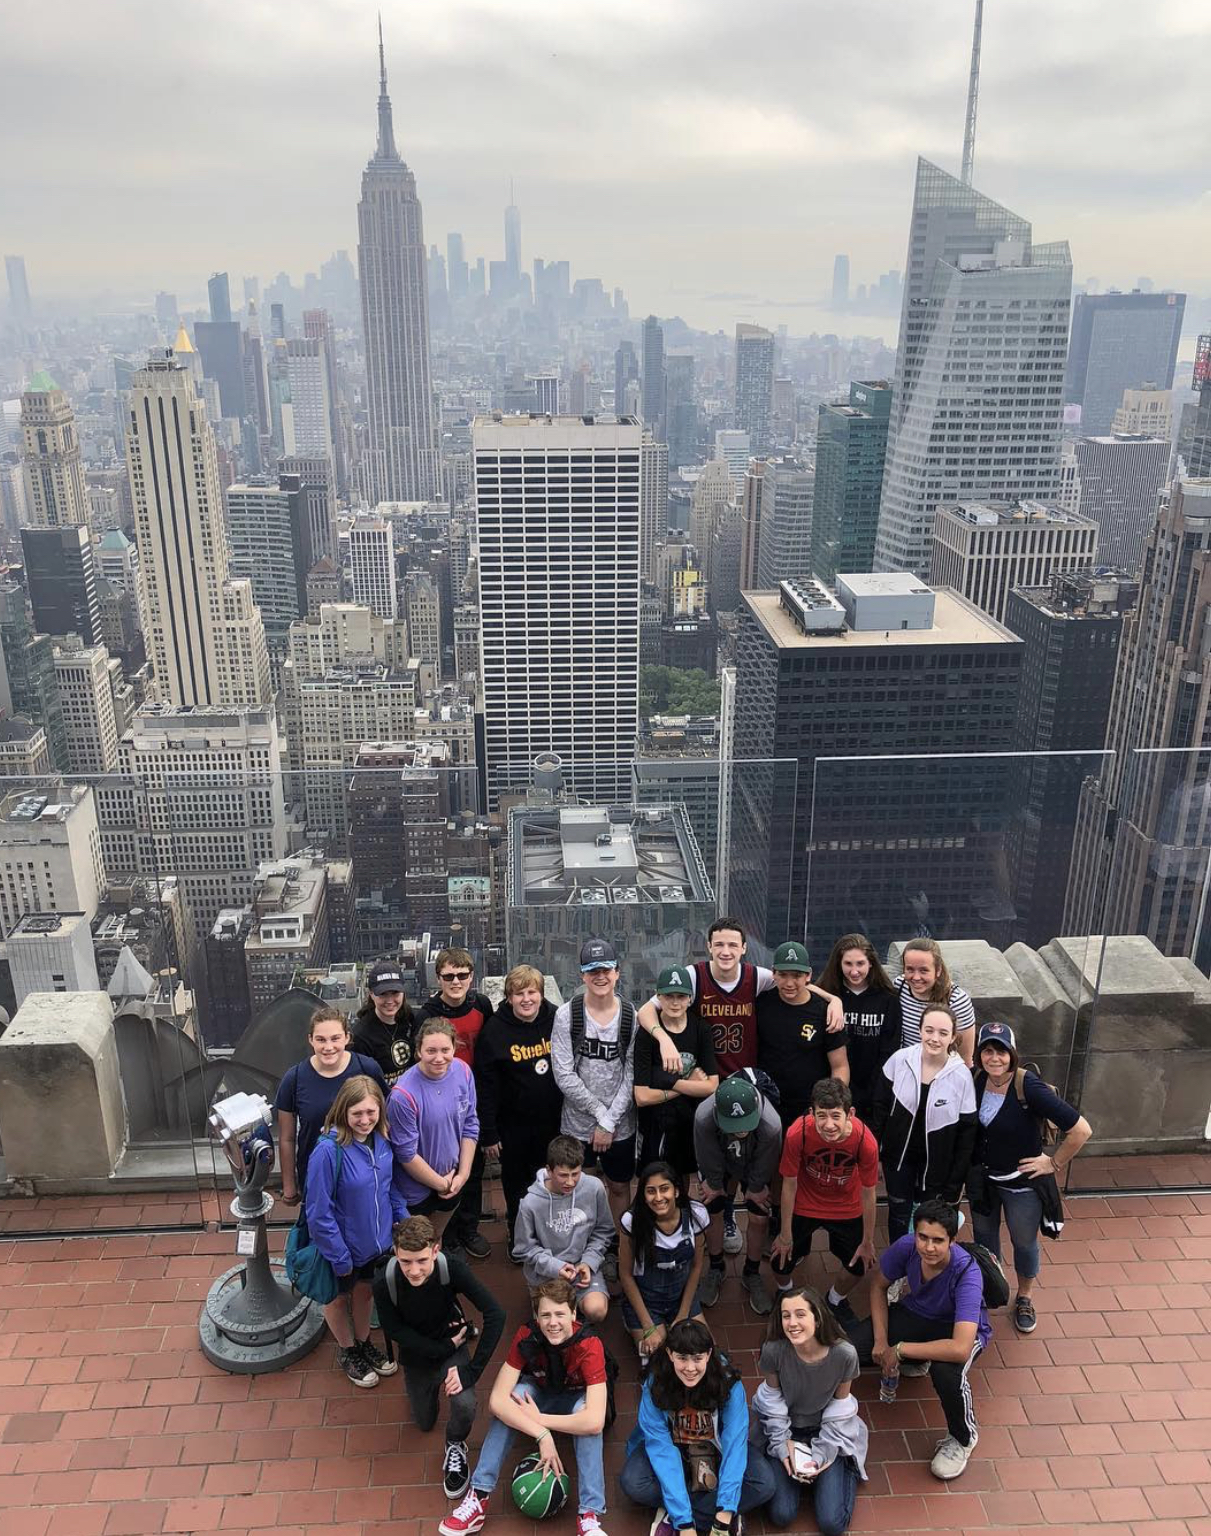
(537, 1493)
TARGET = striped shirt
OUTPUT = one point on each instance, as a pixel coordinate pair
(959, 1003)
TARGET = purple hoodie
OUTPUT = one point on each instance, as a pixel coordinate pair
(430, 1116)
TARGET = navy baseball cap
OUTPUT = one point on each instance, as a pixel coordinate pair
(597, 955)
(997, 1034)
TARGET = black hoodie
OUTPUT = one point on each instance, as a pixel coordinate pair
(513, 1078)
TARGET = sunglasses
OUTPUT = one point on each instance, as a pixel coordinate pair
(455, 976)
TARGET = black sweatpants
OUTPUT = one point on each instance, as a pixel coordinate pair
(948, 1381)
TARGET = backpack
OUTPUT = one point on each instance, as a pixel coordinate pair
(626, 1026)
(996, 1284)
(442, 1267)
(1049, 1132)
(308, 1271)
(533, 1347)
(761, 1081)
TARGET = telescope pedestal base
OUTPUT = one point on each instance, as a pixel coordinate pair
(249, 1326)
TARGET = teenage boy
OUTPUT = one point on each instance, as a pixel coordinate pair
(737, 1138)
(937, 1326)
(668, 1101)
(593, 1051)
(829, 1168)
(519, 1100)
(564, 1228)
(553, 1381)
(725, 990)
(468, 1010)
(794, 1046)
(418, 1306)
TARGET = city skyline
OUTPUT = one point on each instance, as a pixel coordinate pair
(1120, 193)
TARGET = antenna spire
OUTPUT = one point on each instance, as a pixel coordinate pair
(386, 149)
(973, 95)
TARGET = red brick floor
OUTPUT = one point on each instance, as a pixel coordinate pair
(113, 1424)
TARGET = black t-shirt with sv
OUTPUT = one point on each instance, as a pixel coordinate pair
(792, 1046)
(695, 1042)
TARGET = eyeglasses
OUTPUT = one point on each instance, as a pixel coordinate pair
(455, 976)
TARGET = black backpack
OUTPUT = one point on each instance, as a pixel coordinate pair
(626, 1026)
(535, 1349)
(996, 1284)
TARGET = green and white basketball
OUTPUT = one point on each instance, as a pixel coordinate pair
(538, 1493)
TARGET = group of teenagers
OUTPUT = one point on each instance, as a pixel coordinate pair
(627, 1138)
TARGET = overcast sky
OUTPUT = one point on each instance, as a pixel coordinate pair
(679, 148)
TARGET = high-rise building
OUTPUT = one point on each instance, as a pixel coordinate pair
(51, 952)
(372, 565)
(851, 445)
(825, 838)
(788, 491)
(713, 494)
(423, 612)
(626, 371)
(1120, 479)
(220, 346)
(204, 634)
(402, 459)
(734, 448)
(218, 290)
(985, 549)
(28, 686)
(1070, 632)
(456, 267)
(1120, 341)
(61, 579)
(310, 433)
(558, 514)
(1139, 862)
(270, 536)
(653, 399)
(513, 242)
(56, 493)
(319, 498)
(50, 853)
(19, 303)
(546, 393)
(755, 385)
(317, 326)
(1145, 413)
(653, 499)
(24, 753)
(87, 699)
(977, 399)
(751, 509)
(199, 792)
(289, 929)
(681, 409)
(840, 282)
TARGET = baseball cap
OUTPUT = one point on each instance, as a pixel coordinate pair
(384, 976)
(791, 957)
(997, 1034)
(674, 979)
(597, 955)
(737, 1105)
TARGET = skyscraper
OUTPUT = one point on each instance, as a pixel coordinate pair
(1119, 341)
(218, 290)
(56, 493)
(626, 368)
(310, 401)
(978, 392)
(513, 241)
(985, 549)
(204, 634)
(681, 411)
(558, 514)
(788, 493)
(19, 303)
(402, 459)
(653, 499)
(840, 282)
(851, 445)
(316, 488)
(457, 277)
(1120, 478)
(755, 385)
(653, 400)
(270, 535)
(372, 565)
(61, 579)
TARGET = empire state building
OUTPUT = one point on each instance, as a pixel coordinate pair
(401, 463)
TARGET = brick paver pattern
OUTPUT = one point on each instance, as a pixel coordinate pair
(113, 1424)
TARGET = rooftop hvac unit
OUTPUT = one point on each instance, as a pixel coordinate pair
(672, 893)
(624, 895)
(593, 897)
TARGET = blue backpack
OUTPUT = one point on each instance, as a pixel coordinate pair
(306, 1267)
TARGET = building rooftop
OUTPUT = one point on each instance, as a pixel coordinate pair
(594, 856)
(18, 728)
(29, 808)
(994, 514)
(956, 622)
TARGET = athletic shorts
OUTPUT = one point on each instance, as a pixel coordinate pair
(617, 1162)
(844, 1240)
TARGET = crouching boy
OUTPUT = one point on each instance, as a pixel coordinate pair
(553, 1381)
(564, 1228)
(420, 1312)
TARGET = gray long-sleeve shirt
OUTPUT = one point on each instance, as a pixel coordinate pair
(750, 1160)
(597, 1085)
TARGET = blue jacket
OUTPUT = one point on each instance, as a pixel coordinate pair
(354, 1226)
(653, 1435)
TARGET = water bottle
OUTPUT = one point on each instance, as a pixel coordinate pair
(888, 1386)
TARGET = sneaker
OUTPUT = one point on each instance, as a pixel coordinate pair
(453, 1250)
(1024, 1319)
(609, 1268)
(710, 1286)
(359, 1371)
(514, 1256)
(661, 1525)
(843, 1312)
(376, 1360)
(733, 1238)
(950, 1459)
(467, 1516)
(588, 1524)
(477, 1247)
(456, 1469)
(759, 1297)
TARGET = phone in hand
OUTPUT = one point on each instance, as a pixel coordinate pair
(801, 1461)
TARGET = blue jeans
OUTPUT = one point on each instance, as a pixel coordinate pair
(642, 1486)
(590, 1474)
(833, 1493)
(1023, 1212)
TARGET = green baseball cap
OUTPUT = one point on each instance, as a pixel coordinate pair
(737, 1105)
(791, 957)
(674, 979)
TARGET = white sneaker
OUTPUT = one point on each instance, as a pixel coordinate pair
(950, 1459)
(733, 1238)
(588, 1524)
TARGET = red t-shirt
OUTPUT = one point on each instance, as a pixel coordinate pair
(831, 1174)
(584, 1360)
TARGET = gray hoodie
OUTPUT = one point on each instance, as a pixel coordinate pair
(553, 1230)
